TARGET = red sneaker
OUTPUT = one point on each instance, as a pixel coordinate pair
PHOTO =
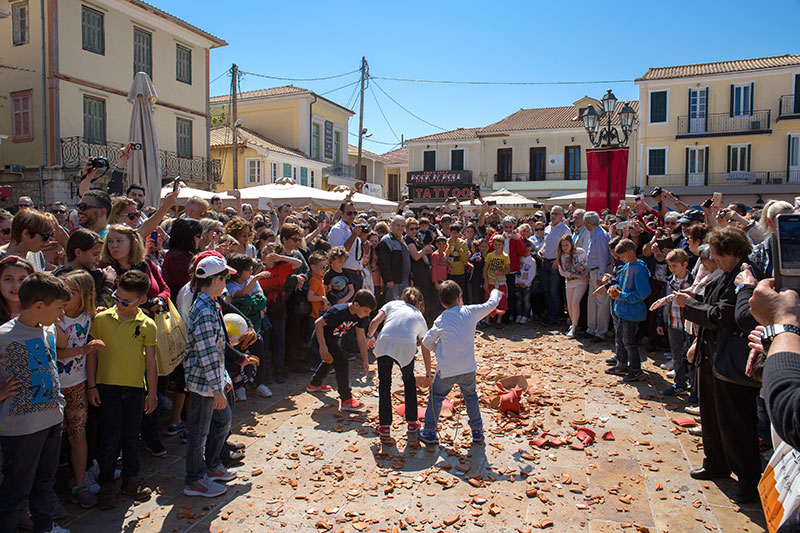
(385, 432)
(351, 405)
(414, 426)
(320, 388)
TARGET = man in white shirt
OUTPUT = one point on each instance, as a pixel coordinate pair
(581, 235)
(348, 236)
(548, 254)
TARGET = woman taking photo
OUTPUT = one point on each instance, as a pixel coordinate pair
(727, 397)
(421, 268)
(184, 241)
(572, 263)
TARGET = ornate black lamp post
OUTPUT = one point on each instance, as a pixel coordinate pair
(608, 136)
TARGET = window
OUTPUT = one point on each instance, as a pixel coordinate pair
(696, 165)
(142, 52)
(287, 170)
(253, 166)
(739, 158)
(429, 160)
(93, 30)
(315, 141)
(183, 64)
(274, 172)
(572, 162)
(741, 100)
(312, 179)
(457, 159)
(94, 120)
(504, 164)
(337, 147)
(658, 106)
(22, 116)
(20, 21)
(303, 176)
(184, 138)
(656, 162)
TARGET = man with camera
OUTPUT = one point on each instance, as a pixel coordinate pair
(347, 235)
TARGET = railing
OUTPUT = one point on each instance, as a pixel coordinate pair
(539, 176)
(763, 177)
(723, 123)
(76, 150)
(343, 171)
(789, 107)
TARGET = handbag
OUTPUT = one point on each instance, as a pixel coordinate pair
(779, 487)
(171, 335)
(730, 359)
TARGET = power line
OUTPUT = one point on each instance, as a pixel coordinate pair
(406, 110)
(383, 114)
(342, 87)
(353, 98)
(374, 141)
(299, 79)
(462, 82)
(218, 77)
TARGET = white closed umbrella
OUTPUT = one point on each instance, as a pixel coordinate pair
(144, 166)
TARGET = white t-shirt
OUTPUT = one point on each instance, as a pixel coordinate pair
(404, 325)
(338, 235)
(232, 287)
(72, 370)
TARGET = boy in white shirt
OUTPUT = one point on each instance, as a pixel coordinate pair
(452, 338)
(524, 279)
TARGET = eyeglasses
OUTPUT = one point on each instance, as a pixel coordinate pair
(119, 300)
(45, 236)
(411, 228)
(6, 231)
(226, 277)
(83, 206)
(59, 211)
(24, 205)
(349, 213)
(133, 216)
(295, 239)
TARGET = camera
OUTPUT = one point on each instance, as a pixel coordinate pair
(365, 228)
(99, 162)
(786, 252)
(656, 192)
(707, 203)
(136, 146)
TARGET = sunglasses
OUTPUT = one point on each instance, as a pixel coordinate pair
(133, 216)
(45, 236)
(120, 301)
(6, 231)
(24, 205)
(295, 239)
(348, 213)
(83, 206)
(411, 228)
(226, 277)
(59, 211)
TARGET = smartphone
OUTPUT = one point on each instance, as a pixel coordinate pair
(176, 184)
(665, 243)
(321, 217)
(707, 203)
(491, 202)
(624, 224)
(787, 245)
(716, 199)
(154, 237)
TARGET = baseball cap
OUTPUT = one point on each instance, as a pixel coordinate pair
(212, 266)
(202, 255)
(691, 215)
(446, 218)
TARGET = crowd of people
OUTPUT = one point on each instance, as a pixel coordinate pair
(262, 294)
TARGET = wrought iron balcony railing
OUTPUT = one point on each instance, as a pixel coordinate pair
(540, 176)
(762, 177)
(724, 124)
(788, 107)
(342, 170)
(76, 150)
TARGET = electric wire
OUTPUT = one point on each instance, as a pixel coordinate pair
(374, 141)
(299, 79)
(342, 87)
(383, 114)
(218, 77)
(406, 110)
(465, 82)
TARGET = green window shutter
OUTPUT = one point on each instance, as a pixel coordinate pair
(686, 167)
(729, 158)
(788, 156)
(287, 170)
(706, 165)
(303, 176)
(733, 97)
(706, 116)
(752, 97)
(749, 150)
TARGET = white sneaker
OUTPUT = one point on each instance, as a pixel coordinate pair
(668, 365)
(222, 474)
(571, 332)
(241, 394)
(671, 374)
(58, 529)
(524, 320)
(264, 391)
(206, 488)
(90, 482)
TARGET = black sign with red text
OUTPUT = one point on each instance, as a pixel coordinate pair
(440, 176)
(436, 191)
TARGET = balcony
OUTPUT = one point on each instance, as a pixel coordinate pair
(76, 150)
(788, 107)
(765, 177)
(722, 124)
(342, 170)
(541, 176)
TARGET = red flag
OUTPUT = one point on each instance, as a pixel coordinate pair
(607, 176)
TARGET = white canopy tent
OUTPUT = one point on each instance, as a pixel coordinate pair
(578, 198)
(188, 192)
(505, 198)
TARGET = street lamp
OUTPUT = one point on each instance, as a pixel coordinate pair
(608, 136)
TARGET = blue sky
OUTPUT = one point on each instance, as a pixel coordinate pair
(510, 41)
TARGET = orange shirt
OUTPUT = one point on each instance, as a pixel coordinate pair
(317, 287)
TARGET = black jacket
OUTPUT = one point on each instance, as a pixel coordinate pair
(394, 261)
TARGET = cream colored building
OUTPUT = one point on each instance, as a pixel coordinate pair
(261, 160)
(730, 127)
(396, 173)
(297, 119)
(373, 172)
(539, 153)
(91, 52)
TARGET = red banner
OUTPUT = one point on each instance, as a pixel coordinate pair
(607, 177)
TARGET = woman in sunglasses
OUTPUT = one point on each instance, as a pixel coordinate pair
(124, 211)
(31, 231)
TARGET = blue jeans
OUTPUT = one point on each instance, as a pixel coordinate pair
(552, 296)
(277, 345)
(395, 292)
(627, 349)
(524, 302)
(208, 429)
(119, 419)
(441, 388)
(29, 474)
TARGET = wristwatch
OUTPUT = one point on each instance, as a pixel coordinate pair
(769, 333)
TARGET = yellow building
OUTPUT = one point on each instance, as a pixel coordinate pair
(297, 119)
(730, 127)
(91, 52)
(396, 173)
(373, 172)
(539, 153)
(261, 160)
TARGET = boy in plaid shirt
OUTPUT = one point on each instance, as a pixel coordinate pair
(670, 321)
(207, 381)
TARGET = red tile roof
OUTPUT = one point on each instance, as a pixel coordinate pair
(452, 135)
(160, 12)
(720, 67)
(544, 118)
(222, 136)
(397, 157)
(273, 92)
(364, 152)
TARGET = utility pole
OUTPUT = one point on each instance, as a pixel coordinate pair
(361, 116)
(234, 123)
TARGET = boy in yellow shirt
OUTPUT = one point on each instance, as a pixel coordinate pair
(495, 270)
(457, 257)
(115, 379)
